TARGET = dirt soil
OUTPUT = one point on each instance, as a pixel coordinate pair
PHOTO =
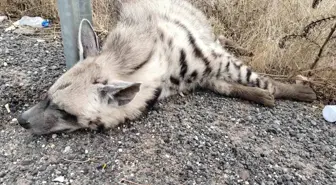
(202, 138)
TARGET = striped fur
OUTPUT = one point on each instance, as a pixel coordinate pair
(157, 49)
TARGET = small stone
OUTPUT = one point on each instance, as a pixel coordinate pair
(54, 136)
(120, 150)
(5, 64)
(67, 149)
(245, 175)
(60, 179)
(14, 121)
(40, 40)
(7, 108)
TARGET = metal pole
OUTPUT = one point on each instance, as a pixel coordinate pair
(71, 12)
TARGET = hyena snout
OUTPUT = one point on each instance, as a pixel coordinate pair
(23, 122)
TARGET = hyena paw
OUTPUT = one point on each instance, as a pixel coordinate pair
(96, 126)
(304, 93)
(263, 97)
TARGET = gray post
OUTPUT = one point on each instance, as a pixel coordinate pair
(71, 12)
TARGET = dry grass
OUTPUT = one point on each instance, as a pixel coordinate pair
(257, 25)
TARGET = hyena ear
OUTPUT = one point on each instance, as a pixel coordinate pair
(88, 44)
(119, 93)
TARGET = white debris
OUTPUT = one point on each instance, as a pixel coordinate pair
(14, 120)
(60, 179)
(40, 40)
(5, 64)
(10, 28)
(7, 108)
(2, 18)
(54, 136)
(67, 149)
(52, 145)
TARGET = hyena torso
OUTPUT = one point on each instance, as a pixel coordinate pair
(158, 48)
(182, 50)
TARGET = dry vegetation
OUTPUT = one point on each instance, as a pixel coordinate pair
(257, 25)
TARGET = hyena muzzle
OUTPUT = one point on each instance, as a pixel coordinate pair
(157, 49)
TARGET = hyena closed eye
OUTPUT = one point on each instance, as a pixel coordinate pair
(157, 49)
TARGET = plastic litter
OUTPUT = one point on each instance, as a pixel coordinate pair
(36, 22)
(329, 113)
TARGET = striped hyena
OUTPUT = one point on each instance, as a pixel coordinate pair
(157, 49)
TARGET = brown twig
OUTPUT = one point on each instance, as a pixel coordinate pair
(74, 161)
(317, 59)
(88, 160)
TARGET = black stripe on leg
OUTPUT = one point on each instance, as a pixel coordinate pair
(207, 71)
(183, 63)
(174, 80)
(239, 78)
(162, 37)
(266, 84)
(170, 43)
(151, 102)
(219, 70)
(248, 75)
(194, 74)
(193, 77)
(258, 82)
(227, 66)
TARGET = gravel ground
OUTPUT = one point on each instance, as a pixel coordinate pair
(203, 138)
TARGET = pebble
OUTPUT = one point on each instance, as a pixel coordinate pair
(67, 150)
(14, 121)
(60, 179)
(7, 108)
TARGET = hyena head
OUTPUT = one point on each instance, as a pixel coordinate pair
(77, 99)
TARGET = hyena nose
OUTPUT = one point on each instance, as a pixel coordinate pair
(23, 122)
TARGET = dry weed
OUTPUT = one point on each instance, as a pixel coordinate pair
(257, 25)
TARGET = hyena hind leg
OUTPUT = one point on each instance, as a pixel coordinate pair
(254, 94)
(296, 92)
